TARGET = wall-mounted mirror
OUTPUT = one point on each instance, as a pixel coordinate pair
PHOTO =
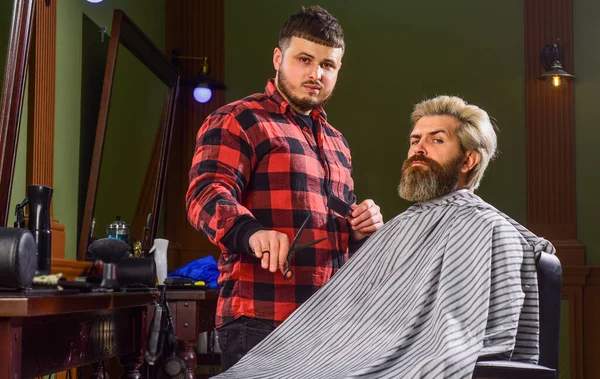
(133, 133)
(16, 18)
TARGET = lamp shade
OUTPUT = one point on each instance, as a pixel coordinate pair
(554, 72)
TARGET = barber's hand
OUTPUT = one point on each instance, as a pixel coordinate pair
(271, 248)
(365, 219)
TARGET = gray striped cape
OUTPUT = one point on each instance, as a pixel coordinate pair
(439, 286)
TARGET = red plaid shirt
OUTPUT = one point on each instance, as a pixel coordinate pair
(256, 164)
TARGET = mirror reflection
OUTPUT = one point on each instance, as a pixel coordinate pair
(126, 184)
(18, 187)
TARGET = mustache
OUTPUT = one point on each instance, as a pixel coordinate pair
(418, 158)
(314, 83)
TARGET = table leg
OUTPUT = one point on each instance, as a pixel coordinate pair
(131, 366)
(99, 371)
(11, 337)
(187, 352)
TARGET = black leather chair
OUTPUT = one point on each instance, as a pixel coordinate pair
(549, 273)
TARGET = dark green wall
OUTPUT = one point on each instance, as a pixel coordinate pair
(587, 130)
(398, 53)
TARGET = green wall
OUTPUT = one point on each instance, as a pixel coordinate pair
(398, 53)
(149, 16)
(132, 127)
(587, 132)
(18, 185)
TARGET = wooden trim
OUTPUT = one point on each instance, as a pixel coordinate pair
(574, 280)
(574, 296)
(11, 100)
(550, 124)
(69, 268)
(126, 32)
(591, 327)
(42, 88)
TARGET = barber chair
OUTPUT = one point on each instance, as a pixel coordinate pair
(549, 274)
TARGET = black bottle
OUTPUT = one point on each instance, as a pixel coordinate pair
(39, 224)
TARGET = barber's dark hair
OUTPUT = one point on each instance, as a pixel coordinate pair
(314, 24)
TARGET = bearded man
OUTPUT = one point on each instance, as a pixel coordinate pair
(454, 280)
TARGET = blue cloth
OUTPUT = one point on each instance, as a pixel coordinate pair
(204, 269)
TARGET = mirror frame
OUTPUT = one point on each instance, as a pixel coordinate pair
(124, 31)
(11, 102)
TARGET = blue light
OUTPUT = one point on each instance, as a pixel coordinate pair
(202, 94)
(94, 1)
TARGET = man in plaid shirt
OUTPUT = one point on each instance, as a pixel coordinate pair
(261, 166)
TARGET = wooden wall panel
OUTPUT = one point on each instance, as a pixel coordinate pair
(550, 124)
(574, 280)
(196, 28)
(40, 120)
(591, 325)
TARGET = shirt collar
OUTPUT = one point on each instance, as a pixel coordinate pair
(283, 106)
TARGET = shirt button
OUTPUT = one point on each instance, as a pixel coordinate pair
(305, 129)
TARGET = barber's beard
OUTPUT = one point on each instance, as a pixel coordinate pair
(420, 183)
(302, 104)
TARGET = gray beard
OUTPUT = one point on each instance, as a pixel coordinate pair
(417, 184)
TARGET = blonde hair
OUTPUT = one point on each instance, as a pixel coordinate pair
(475, 132)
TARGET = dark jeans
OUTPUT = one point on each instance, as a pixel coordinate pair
(238, 337)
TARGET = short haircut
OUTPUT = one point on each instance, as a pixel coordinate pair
(314, 24)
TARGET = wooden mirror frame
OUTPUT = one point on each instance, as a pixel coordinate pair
(11, 102)
(124, 31)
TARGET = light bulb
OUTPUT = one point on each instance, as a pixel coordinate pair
(556, 81)
(202, 94)
(94, 1)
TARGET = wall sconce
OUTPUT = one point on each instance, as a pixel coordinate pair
(203, 83)
(554, 73)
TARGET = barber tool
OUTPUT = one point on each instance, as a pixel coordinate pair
(162, 342)
(110, 251)
(294, 249)
(338, 205)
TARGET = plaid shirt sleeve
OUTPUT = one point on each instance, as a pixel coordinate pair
(221, 167)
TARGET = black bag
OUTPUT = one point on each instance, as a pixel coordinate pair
(18, 258)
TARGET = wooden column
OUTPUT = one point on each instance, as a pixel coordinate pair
(196, 28)
(40, 119)
(574, 281)
(550, 122)
(591, 336)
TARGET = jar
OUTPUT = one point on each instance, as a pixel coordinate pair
(119, 230)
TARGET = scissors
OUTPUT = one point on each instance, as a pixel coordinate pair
(294, 249)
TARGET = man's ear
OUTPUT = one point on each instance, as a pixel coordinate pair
(277, 58)
(471, 160)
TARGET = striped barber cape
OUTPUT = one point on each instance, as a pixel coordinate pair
(447, 282)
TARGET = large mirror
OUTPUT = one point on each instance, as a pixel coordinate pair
(128, 163)
(16, 19)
